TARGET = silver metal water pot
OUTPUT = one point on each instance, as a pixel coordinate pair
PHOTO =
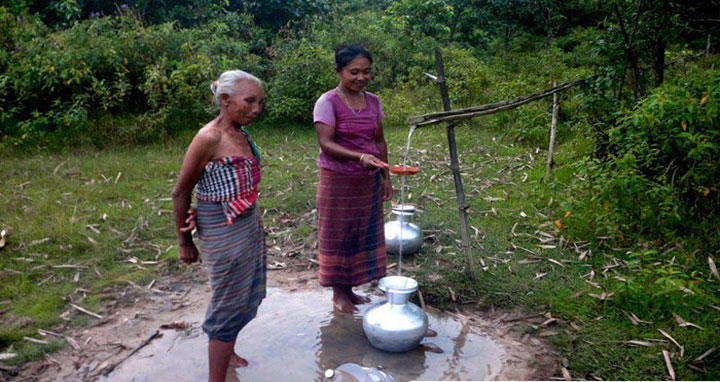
(412, 236)
(352, 372)
(395, 325)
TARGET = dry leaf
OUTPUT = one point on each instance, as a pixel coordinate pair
(35, 340)
(4, 356)
(523, 214)
(684, 125)
(555, 262)
(682, 349)
(566, 374)
(176, 325)
(603, 296)
(684, 323)
(86, 311)
(40, 241)
(711, 263)
(276, 265)
(2, 238)
(635, 320)
(567, 214)
(558, 224)
(707, 353)
(72, 342)
(492, 199)
(666, 356)
(640, 343)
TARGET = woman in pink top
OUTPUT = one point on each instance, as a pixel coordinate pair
(354, 180)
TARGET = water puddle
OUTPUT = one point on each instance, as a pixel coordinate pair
(297, 337)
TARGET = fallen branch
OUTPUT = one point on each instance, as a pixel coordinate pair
(112, 367)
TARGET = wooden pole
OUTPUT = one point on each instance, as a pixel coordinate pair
(551, 146)
(455, 166)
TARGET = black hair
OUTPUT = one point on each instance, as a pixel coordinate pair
(346, 53)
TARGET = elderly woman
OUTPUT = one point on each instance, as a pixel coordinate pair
(224, 164)
(354, 180)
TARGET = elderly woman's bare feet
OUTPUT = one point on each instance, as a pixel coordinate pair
(237, 361)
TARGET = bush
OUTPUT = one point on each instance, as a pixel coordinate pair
(660, 176)
(303, 71)
(651, 286)
(56, 85)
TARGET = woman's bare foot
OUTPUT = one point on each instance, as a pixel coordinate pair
(341, 301)
(237, 361)
(356, 299)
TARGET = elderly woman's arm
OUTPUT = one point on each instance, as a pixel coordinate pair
(197, 156)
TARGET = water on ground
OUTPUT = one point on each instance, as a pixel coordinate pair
(297, 336)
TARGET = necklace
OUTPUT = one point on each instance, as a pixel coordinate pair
(347, 102)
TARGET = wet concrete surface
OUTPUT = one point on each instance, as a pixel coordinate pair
(296, 336)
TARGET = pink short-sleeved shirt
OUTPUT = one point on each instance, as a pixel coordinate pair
(354, 131)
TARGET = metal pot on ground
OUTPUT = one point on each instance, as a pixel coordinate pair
(395, 325)
(402, 230)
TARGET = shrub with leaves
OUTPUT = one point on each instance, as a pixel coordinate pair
(661, 175)
(650, 285)
(672, 138)
(302, 72)
(57, 84)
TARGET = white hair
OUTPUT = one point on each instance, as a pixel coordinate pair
(227, 84)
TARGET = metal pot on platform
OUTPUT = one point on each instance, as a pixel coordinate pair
(412, 236)
(395, 325)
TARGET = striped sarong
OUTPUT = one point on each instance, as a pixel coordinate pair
(235, 256)
(350, 228)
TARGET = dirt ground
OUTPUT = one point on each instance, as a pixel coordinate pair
(138, 313)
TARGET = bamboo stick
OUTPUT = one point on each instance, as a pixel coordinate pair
(551, 145)
(455, 166)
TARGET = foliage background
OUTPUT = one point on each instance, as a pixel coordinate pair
(81, 75)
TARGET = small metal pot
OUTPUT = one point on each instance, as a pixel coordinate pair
(395, 325)
(412, 236)
(352, 372)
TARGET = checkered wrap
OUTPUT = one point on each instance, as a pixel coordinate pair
(231, 181)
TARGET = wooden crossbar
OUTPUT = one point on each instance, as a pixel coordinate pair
(491, 108)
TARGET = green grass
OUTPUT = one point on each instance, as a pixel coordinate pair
(59, 196)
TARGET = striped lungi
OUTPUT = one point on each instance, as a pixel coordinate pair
(350, 228)
(235, 257)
